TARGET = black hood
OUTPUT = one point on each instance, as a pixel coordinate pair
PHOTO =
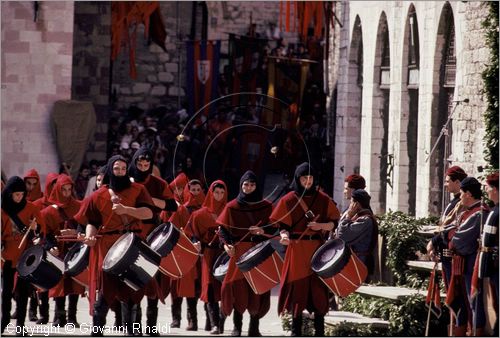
(138, 175)
(14, 184)
(255, 196)
(116, 183)
(303, 170)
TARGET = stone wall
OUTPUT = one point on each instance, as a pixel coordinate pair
(468, 128)
(36, 72)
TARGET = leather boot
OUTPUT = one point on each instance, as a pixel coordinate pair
(33, 305)
(253, 327)
(319, 325)
(222, 321)
(213, 316)
(60, 312)
(238, 322)
(72, 304)
(176, 312)
(127, 318)
(44, 308)
(152, 318)
(116, 308)
(99, 318)
(459, 331)
(297, 326)
(192, 314)
(136, 318)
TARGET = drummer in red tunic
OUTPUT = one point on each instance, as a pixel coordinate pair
(18, 216)
(177, 188)
(189, 285)
(43, 201)
(305, 216)
(203, 228)
(141, 170)
(117, 207)
(241, 224)
(33, 186)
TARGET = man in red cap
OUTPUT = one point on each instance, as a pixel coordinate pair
(351, 183)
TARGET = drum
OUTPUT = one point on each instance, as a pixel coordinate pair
(220, 266)
(76, 262)
(132, 261)
(40, 268)
(261, 265)
(338, 267)
(178, 252)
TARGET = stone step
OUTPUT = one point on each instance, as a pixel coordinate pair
(336, 317)
(390, 292)
(423, 265)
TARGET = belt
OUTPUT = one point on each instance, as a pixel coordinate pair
(306, 237)
(447, 253)
(119, 232)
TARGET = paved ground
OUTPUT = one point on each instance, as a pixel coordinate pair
(270, 324)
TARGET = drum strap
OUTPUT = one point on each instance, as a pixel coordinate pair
(18, 226)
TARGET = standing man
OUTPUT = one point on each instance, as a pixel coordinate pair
(240, 226)
(464, 245)
(141, 170)
(117, 207)
(305, 210)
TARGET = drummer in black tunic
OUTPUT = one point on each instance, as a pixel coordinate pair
(358, 228)
(141, 169)
(305, 217)
(117, 207)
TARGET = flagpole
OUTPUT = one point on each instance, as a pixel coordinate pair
(431, 300)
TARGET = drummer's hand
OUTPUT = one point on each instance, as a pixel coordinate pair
(90, 241)
(256, 230)
(36, 240)
(229, 249)
(54, 251)
(315, 226)
(284, 237)
(69, 232)
(197, 245)
(431, 252)
(119, 209)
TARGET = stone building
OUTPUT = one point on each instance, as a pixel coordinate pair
(396, 71)
(400, 70)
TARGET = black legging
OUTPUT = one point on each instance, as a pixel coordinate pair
(7, 286)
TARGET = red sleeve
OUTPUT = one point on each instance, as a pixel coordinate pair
(144, 198)
(167, 192)
(224, 218)
(281, 213)
(333, 212)
(89, 213)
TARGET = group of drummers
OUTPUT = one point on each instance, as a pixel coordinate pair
(145, 237)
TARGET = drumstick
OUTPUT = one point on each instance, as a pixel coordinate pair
(307, 228)
(25, 237)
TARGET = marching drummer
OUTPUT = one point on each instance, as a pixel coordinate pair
(117, 207)
(305, 217)
(189, 285)
(21, 222)
(241, 224)
(358, 228)
(203, 227)
(141, 169)
(59, 220)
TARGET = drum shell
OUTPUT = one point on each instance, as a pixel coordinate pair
(263, 270)
(78, 270)
(179, 255)
(138, 264)
(346, 275)
(221, 265)
(40, 268)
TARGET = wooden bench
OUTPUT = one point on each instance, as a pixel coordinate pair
(390, 292)
(337, 317)
(428, 231)
(423, 265)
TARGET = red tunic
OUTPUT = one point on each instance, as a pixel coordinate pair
(11, 237)
(157, 188)
(186, 286)
(97, 210)
(300, 287)
(55, 222)
(236, 293)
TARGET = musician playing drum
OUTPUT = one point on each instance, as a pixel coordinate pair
(21, 222)
(241, 222)
(305, 216)
(141, 170)
(358, 228)
(115, 208)
(59, 221)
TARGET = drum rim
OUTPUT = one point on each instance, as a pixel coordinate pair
(39, 253)
(335, 267)
(173, 237)
(76, 269)
(41, 280)
(263, 251)
(222, 258)
(120, 264)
